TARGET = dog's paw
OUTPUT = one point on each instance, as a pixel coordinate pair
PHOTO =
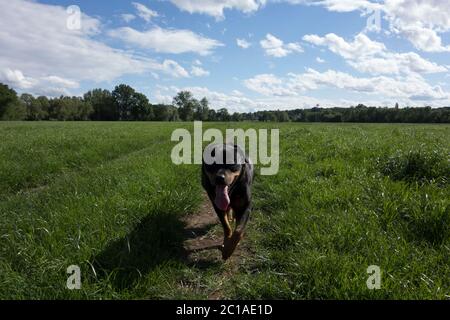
(230, 244)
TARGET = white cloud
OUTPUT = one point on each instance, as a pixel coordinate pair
(145, 13)
(419, 21)
(276, 48)
(243, 43)
(66, 83)
(172, 68)
(17, 79)
(361, 46)
(216, 8)
(320, 60)
(127, 17)
(432, 13)
(40, 54)
(199, 72)
(408, 87)
(49, 85)
(347, 5)
(337, 5)
(167, 40)
(372, 57)
(422, 38)
(270, 85)
(397, 63)
(294, 47)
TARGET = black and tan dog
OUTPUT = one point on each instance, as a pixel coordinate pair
(227, 176)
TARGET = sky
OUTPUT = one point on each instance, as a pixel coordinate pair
(245, 55)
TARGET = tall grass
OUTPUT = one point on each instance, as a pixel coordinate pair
(106, 197)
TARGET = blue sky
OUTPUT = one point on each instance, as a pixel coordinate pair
(244, 55)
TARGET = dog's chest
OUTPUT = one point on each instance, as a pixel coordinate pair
(237, 201)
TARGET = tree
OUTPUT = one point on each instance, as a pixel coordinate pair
(15, 111)
(39, 109)
(82, 109)
(142, 109)
(282, 116)
(202, 110)
(223, 115)
(124, 100)
(26, 99)
(103, 105)
(164, 112)
(131, 105)
(29, 103)
(212, 115)
(237, 116)
(33, 108)
(69, 108)
(161, 112)
(58, 109)
(186, 105)
(8, 98)
(173, 113)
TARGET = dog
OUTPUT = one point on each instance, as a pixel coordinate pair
(227, 176)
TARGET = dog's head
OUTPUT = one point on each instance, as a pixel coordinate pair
(223, 164)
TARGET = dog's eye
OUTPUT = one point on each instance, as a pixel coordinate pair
(234, 167)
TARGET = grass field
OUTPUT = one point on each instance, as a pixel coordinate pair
(106, 197)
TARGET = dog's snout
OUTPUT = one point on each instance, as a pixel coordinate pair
(220, 179)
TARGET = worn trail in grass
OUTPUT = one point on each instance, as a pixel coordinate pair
(203, 240)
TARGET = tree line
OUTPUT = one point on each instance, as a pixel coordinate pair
(126, 104)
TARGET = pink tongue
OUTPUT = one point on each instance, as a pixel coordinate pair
(222, 199)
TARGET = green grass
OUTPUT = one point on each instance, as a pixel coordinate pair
(106, 197)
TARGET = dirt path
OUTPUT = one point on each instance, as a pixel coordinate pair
(203, 239)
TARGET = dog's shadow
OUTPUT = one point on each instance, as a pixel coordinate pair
(157, 240)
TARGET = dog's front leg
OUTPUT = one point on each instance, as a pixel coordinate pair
(223, 217)
(231, 243)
